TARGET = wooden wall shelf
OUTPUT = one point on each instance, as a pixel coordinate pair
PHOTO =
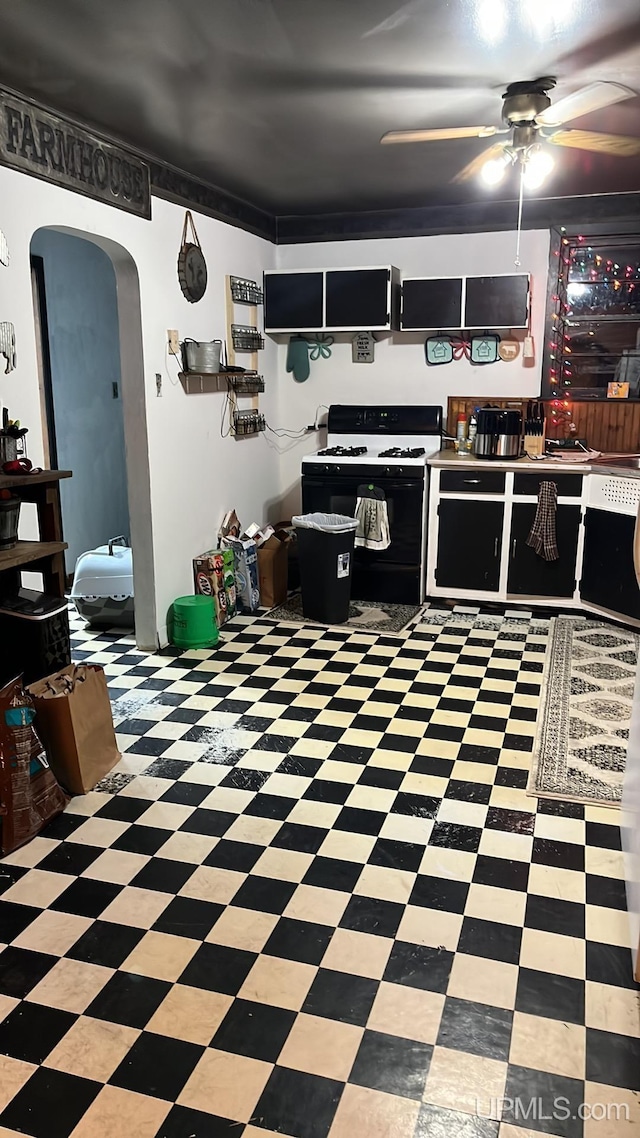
(47, 554)
(15, 481)
(25, 552)
(202, 383)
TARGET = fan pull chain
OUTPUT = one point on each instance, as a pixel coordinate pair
(519, 230)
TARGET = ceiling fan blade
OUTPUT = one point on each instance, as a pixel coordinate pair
(473, 168)
(583, 102)
(438, 134)
(619, 145)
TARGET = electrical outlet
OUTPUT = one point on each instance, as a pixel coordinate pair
(173, 337)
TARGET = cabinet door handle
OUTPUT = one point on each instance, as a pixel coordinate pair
(495, 547)
(471, 481)
(513, 546)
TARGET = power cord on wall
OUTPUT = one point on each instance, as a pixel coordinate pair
(284, 432)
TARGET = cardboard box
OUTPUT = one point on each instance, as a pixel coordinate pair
(272, 571)
(246, 569)
(259, 535)
(214, 576)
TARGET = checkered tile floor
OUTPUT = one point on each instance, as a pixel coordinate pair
(314, 899)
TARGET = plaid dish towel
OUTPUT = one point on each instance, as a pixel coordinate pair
(542, 537)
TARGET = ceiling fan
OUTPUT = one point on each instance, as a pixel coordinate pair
(531, 119)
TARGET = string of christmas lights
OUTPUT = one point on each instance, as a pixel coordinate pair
(560, 347)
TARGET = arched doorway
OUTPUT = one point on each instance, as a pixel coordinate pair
(109, 418)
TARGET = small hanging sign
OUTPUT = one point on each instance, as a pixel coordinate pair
(8, 345)
(363, 348)
(484, 349)
(438, 350)
(508, 350)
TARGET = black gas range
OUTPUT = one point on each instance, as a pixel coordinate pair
(386, 448)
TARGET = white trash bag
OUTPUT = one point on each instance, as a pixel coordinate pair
(326, 523)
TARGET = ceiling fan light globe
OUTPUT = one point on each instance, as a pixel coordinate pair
(537, 168)
(494, 170)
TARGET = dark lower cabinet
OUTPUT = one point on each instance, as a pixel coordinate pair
(469, 545)
(530, 574)
(608, 576)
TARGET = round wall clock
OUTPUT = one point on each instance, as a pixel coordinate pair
(192, 267)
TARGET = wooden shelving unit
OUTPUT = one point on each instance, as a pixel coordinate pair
(251, 313)
(47, 554)
(203, 383)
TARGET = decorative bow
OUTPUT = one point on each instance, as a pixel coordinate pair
(320, 348)
(461, 349)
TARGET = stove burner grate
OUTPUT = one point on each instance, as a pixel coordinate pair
(342, 452)
(398, 452)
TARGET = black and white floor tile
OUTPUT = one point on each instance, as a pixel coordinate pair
(314, 899)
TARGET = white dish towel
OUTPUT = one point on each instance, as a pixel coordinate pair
(373, 524)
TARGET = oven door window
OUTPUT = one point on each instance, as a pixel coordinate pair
(404, 508)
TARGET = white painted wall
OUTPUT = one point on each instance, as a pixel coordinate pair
(399, 373)
(195, 474)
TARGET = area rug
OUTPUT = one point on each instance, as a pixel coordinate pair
(364, 616)
(585, 712)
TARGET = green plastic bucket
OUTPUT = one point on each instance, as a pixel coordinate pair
(194, 623)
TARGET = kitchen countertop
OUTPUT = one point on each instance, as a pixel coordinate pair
(448, 458)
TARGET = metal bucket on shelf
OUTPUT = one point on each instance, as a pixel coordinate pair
(8, 448)
(202, 357)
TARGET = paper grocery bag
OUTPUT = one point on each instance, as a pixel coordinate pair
(73, 716)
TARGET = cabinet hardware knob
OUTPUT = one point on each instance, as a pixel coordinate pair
(471, 481)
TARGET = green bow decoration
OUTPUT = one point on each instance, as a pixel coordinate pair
(320, 348)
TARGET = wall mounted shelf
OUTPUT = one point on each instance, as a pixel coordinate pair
(243, 385)
(244, 291)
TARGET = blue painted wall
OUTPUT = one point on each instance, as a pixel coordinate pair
(84, 344)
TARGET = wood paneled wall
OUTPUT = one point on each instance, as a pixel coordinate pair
(610, 427)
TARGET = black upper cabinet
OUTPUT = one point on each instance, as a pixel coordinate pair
(497, 302)
(293, 301)
(449, 303)
(530, 574)
(431, 304)
(608, 575)
(469, 545)
(357, 300)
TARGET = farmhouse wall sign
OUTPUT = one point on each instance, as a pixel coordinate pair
(49, 147)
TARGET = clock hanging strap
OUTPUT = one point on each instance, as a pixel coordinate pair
(188, 221)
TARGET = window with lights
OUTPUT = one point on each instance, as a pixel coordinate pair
(594, 319)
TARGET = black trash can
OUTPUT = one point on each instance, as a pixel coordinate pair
(34, 635)
(325, 553)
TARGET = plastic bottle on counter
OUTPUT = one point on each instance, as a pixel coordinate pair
(461, 429)
(473, 429)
